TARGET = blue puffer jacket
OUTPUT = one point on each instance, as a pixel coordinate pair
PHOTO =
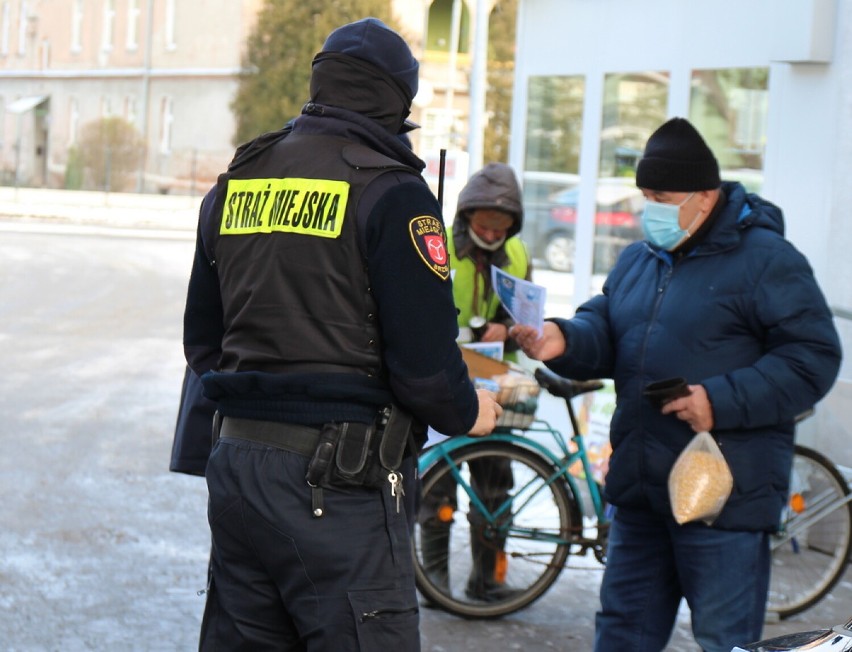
(740, 314)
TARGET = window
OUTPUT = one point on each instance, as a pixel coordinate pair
(730, 107)
(109, 24)
(5, 26)
(22, 28)
(106, 107)
(73, 120)
(44, 51)
(130, 109)
(166, 119)
(77, 26)
(554, 123)
(132, 24)
(551, 164)
(437, 129)
(170, 25)
(634, 105)
(440, 29)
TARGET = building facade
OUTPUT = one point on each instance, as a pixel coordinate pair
(170, 68)
(159, 64)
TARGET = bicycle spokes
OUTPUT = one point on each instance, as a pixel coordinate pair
(507, 543)
(812, 545)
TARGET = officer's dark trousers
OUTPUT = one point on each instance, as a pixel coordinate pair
(285, 580)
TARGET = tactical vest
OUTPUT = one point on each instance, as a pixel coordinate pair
(294, 283)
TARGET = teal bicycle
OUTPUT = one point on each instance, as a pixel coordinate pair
(525, 528)
(510, 504)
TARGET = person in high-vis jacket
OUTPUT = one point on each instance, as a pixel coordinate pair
(489, 216)
(320, 319)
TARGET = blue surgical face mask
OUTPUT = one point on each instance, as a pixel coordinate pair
(661, 224)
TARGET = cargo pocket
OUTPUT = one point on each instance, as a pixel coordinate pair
(386, 620)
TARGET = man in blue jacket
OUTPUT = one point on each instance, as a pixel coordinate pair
(717, 296)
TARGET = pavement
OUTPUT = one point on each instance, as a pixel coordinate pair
(118, 210)
(55, 593)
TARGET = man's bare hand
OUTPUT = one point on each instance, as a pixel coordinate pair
(695, 409)
(550, 344)
(495, 333)
(489, 412)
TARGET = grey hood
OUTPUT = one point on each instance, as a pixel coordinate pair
(494, 186)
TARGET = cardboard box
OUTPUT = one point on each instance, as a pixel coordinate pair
(481, 366)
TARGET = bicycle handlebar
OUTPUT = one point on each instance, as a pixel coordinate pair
(804, 415)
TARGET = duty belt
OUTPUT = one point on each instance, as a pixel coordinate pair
(341, 454)
(286, 436)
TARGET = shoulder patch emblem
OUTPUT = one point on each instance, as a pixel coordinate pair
(430, 241)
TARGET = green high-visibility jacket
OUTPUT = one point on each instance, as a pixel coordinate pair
(467, 282)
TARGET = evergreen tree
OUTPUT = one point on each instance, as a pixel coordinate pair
(501, 77)
(278, 58)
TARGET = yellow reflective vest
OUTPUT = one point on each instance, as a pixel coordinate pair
(467, 283)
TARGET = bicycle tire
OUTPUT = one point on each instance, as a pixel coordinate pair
(537, 535)
(810, 556)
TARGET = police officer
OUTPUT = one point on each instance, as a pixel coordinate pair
(320, 318)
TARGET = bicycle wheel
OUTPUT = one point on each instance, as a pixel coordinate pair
(810, 551)
(491, 559)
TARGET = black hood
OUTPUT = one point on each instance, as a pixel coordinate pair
(320, 119)
(355, 85)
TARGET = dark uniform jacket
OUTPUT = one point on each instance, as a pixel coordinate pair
(193, 428)
(308, 323)
(740, 314)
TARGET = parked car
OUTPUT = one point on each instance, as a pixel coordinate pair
(837, 639)
(551, 215)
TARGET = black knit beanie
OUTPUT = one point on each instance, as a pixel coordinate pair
(677, 159)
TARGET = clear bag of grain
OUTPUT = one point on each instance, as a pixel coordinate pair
(700, 481)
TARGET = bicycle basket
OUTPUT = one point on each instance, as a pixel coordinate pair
(518, 394)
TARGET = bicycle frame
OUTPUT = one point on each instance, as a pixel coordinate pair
(811, 546)
(562, 458)
(818, 511)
